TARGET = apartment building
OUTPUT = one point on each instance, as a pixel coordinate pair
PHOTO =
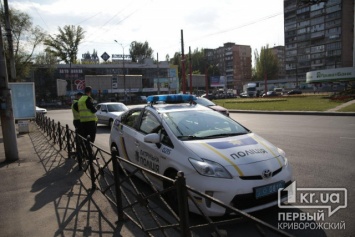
(279, 52)
(319, 35)
(234, 63)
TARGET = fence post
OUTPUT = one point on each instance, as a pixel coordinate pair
(67, 133)
(180, 183)
(60, 136)
(78, 147)
(91, 160)
(52, 136)
(48, 124)
(115, 164)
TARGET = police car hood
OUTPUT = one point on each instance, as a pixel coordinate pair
(238, 150)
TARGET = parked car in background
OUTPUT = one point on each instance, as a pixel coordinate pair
(211, 105)
(107, 112)
(270, 94)
(279, 91)
(209, 96)
(244, 95)
(40, 110)
(294, 92)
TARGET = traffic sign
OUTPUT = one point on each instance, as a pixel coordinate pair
(105, 56)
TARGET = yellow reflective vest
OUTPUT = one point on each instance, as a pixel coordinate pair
(85, 114)
(76, 114)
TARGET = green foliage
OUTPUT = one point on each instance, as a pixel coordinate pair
(65, 45)
(197, 61)
(266, 64)
(22, 28)
(140, 50)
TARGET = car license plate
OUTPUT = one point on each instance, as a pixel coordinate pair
(266, 190)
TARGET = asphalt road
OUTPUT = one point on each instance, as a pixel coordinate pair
(321, 151)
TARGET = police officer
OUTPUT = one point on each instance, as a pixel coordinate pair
(88, 118)
(75, 110)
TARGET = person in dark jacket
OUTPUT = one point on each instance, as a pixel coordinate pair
(88, 118)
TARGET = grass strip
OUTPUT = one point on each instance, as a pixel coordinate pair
(299, 103)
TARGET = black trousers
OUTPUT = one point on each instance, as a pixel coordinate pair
(88, 128)
(76, 123)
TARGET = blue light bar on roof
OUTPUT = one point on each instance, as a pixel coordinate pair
(172, 98)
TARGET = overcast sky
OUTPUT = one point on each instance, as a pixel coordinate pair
(205, 23)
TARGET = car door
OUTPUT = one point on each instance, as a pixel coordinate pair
(150, 155)
(98, 113)
(128, 134)
(102, 114)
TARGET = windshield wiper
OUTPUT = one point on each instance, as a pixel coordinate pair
(189, 137)
(226, 135)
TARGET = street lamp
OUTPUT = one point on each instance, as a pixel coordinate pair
(70, 75)
(124, 70)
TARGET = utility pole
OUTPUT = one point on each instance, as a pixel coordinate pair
(158, 82)
(12, 77)
(183, 64)
(190, 70)
(6, 111)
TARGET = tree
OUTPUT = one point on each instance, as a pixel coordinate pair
(22, 28)
(65, 45)
(140, 50)
(90, 58)
(266, 64)
(45, 59)
(198, 63)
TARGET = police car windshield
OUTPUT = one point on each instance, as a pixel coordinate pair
(194, 125)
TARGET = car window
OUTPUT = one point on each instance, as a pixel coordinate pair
(116, 107)
(202, 125)
(149, 123)
(103, 108)
(164, 138)
(98, 107)
(130, 118)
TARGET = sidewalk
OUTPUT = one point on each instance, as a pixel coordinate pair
(43, 194)
(341, 106)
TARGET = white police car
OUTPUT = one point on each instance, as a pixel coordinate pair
(218, 156)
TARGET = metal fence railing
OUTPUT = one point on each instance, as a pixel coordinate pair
(145, 205)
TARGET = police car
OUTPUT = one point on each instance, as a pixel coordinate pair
(218, 156)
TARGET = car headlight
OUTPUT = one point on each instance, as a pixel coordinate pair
(283, 155)
(210, 168)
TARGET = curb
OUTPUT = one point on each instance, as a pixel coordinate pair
(295, 112)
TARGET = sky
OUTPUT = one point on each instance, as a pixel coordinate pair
(205, 23)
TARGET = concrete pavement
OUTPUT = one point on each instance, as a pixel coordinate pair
(43, 194)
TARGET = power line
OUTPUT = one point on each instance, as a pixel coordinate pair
(241, 26)
(42, 18)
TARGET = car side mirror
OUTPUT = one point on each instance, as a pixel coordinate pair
(152, 138)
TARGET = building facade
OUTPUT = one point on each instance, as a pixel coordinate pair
(234, 63)
(279, 52)
(111, 79)
(317, 36)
